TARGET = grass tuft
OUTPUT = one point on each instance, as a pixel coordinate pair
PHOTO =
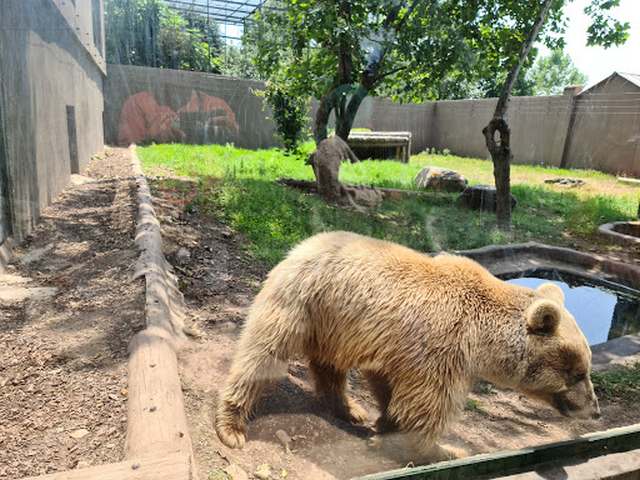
(621, 383)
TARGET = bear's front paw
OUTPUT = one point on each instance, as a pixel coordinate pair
(355, 413)
(444, 452)
(231, 436)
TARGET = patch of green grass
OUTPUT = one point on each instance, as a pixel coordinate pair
(621, 383)
(473, 405)
(238, 186)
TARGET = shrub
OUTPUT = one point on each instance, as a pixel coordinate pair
(290, 113)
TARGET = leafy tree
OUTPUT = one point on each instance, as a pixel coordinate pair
(340, 51)
(605, 31)
(549, 75)
(290, 113)
(236, 62)
(149, 33)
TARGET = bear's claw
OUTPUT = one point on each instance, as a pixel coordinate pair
(355, 413)
(231, 437)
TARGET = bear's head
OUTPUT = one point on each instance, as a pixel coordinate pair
(558, 357)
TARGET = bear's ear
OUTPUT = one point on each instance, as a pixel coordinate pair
(552, 292)
(543, 317)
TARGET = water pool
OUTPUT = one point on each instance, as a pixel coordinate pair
(603, 310)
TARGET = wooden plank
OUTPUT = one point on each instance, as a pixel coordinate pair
(173, 466)
(507, 462)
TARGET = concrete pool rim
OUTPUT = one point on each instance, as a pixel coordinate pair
(610, 231)
(522, 258)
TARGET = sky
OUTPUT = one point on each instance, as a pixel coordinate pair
(597, 62)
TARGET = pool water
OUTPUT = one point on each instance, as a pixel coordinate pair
(603, 311)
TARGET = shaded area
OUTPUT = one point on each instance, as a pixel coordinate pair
(63, 358)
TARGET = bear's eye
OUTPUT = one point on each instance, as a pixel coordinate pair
(578, 378)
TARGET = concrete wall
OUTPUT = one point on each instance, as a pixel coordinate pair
(606, 131)
(538, 127)
(51, 102)
(604, 121)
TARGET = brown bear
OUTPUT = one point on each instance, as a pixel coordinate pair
(421, 329)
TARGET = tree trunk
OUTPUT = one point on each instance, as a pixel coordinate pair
(501, 150)
(348, 115)
(501, 156)
(322, 117)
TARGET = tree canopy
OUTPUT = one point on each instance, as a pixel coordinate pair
(149, 33)
(339, 51)
(550, 74)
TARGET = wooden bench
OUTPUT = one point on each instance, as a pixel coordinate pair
(381, 145)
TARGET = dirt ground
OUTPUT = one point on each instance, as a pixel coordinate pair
(219, 280)
(68, 308)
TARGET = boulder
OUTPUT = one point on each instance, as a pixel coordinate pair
(481, 197)
(440, 180)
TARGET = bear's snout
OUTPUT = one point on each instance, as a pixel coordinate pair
(577, 402)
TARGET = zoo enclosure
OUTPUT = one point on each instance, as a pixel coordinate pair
(598, 128)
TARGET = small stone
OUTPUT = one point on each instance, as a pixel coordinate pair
(124, 392)
(284, 439)
(236, 473)
(135, 466)
(80, 433)
(83, 464)
(263, 472)
(183, 255)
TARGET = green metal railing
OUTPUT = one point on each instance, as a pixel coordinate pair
(517, 461)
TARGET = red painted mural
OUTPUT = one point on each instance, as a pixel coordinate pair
(203, 119)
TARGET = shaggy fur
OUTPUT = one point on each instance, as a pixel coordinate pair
(421, 329)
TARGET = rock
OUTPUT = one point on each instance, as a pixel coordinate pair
(83, 464)
(481, 197)
(263, 472)
(236, 473)
(183, 255)
(566, 182)
(80, 433)
(36, 254)
(440, 180)
(284, 439)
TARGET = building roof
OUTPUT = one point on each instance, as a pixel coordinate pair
(633, 78)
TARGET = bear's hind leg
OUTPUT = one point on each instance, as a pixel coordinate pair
(382, 391)
(331, 385)
(252, 370)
